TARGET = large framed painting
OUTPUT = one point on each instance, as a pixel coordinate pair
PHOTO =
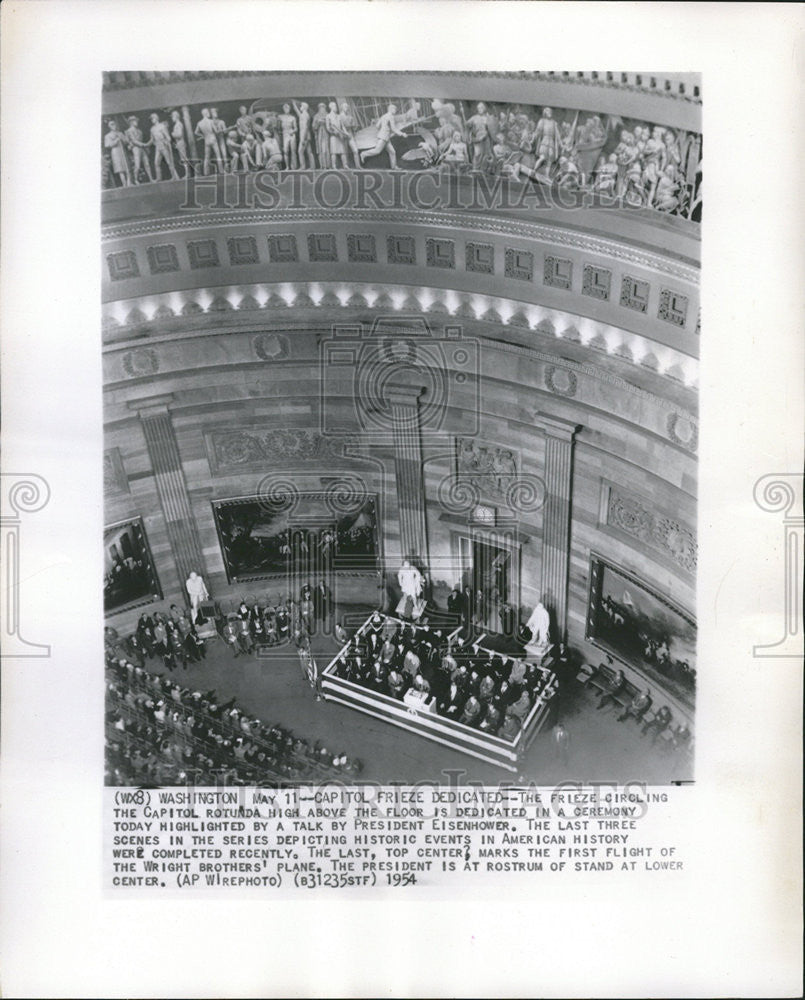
(641, 627)
(129, 576)
(306, 535)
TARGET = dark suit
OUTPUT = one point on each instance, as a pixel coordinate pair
(322, 601)
(455, 605)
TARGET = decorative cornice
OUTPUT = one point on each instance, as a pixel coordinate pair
(557, 236)
(577, 368)
(583, 368)
(113, 82)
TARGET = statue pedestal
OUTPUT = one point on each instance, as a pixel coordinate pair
(537, 651)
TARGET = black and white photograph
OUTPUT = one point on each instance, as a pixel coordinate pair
(401, 499)
(390, 338)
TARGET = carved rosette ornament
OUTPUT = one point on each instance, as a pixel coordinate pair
(141, 362)
(630, 516)
(561, 381)
(271, 347)
(683, 430)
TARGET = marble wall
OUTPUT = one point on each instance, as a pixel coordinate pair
(253, 411)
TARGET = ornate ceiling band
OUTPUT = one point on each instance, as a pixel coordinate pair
(554, 365)
(661, 85)
(464, 222)
(607, 339)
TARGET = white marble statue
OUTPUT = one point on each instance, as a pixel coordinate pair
(115, 142)
(134, 138)
(410, 580)
(207, 130)
(197, 592)
(163, 151)
(539, 626)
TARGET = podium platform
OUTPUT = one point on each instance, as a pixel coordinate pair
(425, 722)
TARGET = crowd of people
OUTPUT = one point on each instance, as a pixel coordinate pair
(642, 165)
(159, 732)
(644, 169)
(273, 624)
(175, 640)
(429, 669)
(483, 608)
(638, 704)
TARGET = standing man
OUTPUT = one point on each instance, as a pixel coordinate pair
(163, 150)
(349, 126)
(322, 601)
(479, 137)
(560, 738)
(206, 130)
(288, 129)
(305, 148)
(310, 669)
(455, 604)
(385, 129)
(244, 123)
(134, 138)
(548, 141)
(332, 123)
(322, 139)
(115, 142)
(219, 126)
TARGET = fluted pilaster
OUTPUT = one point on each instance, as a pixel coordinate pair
(404, 403)
(174, 499)
(558, 474)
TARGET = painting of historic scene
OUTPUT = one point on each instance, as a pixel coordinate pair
(129, 577)
(311, 534)
(639, 626)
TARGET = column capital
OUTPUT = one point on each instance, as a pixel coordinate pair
(22, 493)
(151, 406)
(401, 394)
(557, 427)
